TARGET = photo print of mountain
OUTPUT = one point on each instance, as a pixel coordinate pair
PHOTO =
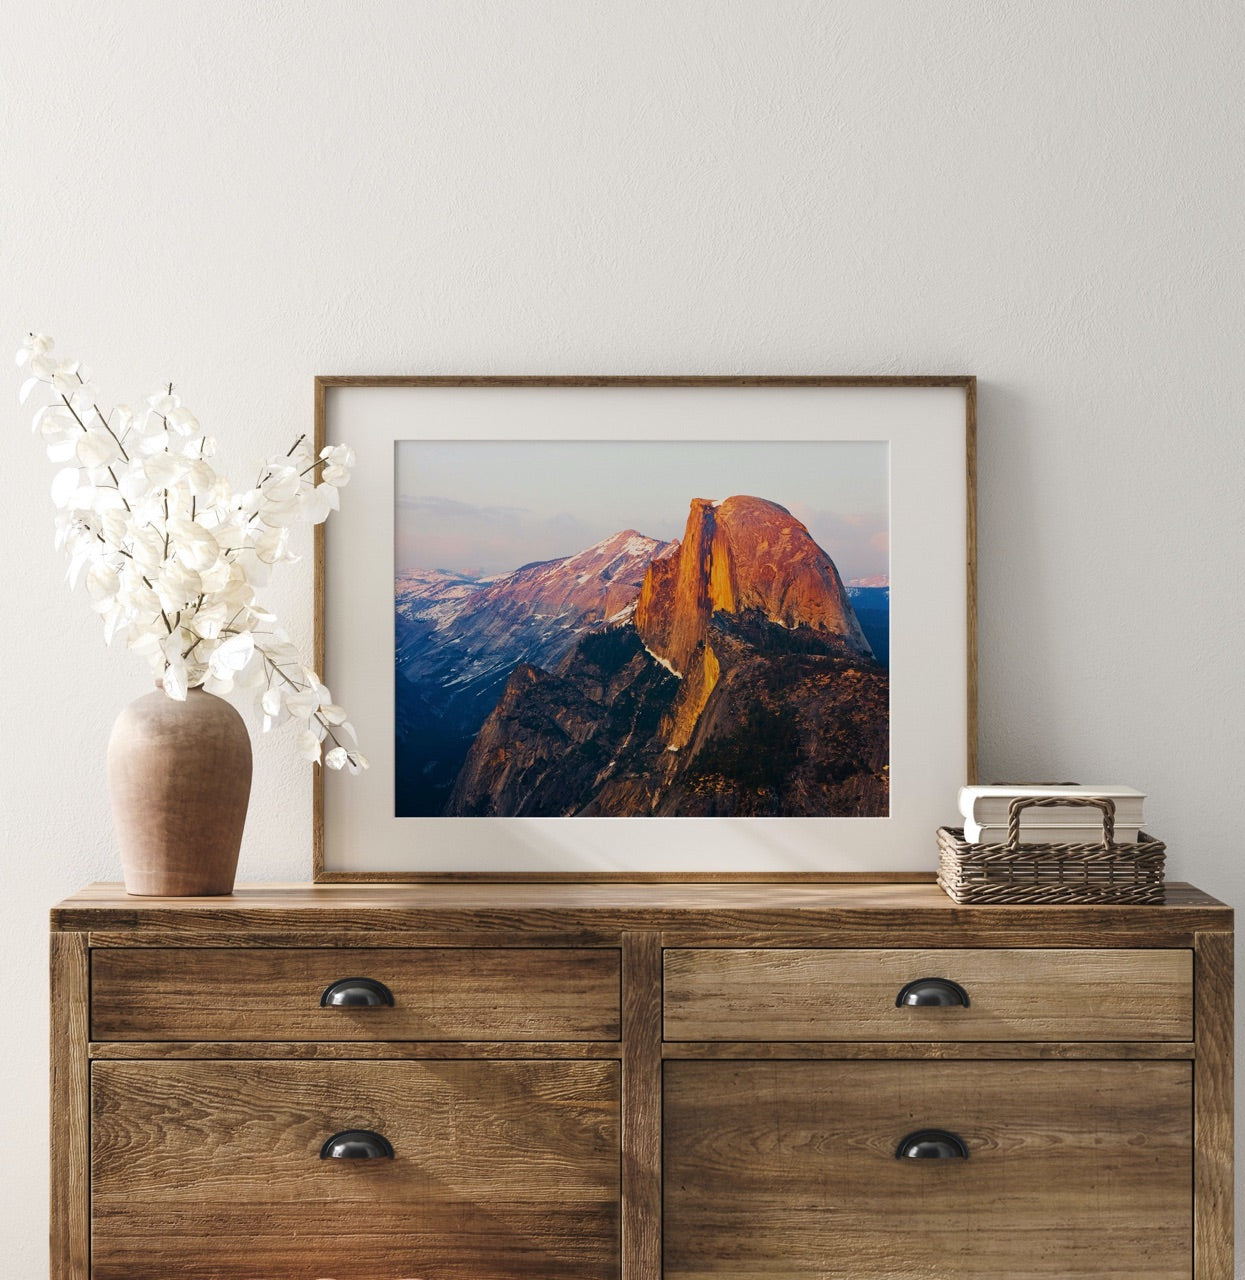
(641, 628)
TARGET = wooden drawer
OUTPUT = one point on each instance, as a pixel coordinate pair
(806, 994)
(206, 993)
(212, 1171)
(1075, 1171)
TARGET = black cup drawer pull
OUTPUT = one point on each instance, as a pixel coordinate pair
(356, 993)
(931, 1144)
(357, 1144)
(932, 991)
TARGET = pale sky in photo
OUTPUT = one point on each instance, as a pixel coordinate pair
(486, 507)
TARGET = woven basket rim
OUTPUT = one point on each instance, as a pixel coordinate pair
(953, 837)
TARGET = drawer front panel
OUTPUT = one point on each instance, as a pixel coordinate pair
(212, 1171)
(1075, 1171)
(806, 994)
(438, 994)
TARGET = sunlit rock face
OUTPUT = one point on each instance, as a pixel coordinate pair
(741, 554)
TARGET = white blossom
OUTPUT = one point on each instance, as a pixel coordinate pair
(171, 553)
(232, 654)
(338, 460)
(175, 679)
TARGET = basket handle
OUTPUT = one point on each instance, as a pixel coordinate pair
(1018, 806)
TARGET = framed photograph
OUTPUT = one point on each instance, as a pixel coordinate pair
(647, 628)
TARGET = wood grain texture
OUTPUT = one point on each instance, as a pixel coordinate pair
(944, 1050)
(542, 1157)
(641, 1170)
(847, 914)
(319, 408)
(645, 380)
(970, 544)
(211, 1171)
(70, 1235)
(326, 936)
(357, 1050)
(439, 994)
(715, 1050)
(804, 994)
(982, 932)
(1213, 1100)
(630, 877)
(1076, 1171)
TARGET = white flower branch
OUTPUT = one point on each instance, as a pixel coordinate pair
(172, 557)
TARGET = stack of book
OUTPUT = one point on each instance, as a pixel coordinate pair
(984, 810)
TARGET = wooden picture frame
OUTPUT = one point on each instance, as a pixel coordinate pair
(925, 427)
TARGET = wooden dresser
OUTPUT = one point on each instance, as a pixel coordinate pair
(707, 1081)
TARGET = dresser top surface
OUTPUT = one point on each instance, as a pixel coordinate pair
(849, 907)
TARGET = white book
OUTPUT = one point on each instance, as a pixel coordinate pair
(977, 833)
(989, 804)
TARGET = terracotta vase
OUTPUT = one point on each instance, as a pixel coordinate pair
(179, 777)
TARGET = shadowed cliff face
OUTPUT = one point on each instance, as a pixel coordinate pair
(743, 686)
(739, 555)
(794, 725)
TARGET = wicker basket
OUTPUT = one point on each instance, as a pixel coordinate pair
(1102, 872)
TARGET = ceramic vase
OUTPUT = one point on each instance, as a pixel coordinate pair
(179, 778)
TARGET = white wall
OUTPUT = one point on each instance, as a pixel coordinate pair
(238, 196)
